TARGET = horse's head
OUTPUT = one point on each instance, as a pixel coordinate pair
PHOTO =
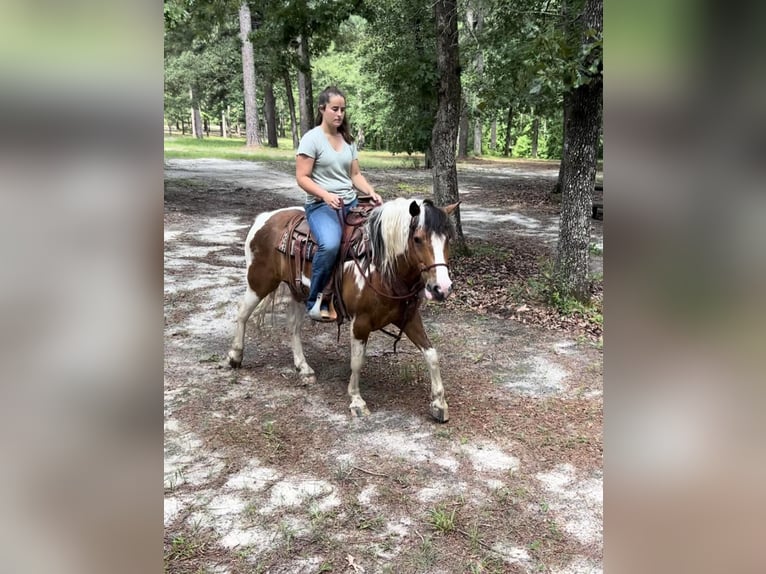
(428, 247)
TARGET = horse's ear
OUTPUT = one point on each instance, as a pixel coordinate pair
(414, 209)
(450, 208)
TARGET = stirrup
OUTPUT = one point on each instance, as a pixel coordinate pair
(329, 314)
(316, 313)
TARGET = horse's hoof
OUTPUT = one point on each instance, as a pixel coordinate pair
(358, 412)
(234, 361)
(441, 414)
(308, 380)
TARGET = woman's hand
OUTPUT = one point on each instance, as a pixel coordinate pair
(333, 200)
(376, 198)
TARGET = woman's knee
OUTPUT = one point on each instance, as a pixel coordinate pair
(330, 244)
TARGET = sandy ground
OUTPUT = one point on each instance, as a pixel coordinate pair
(263, 474)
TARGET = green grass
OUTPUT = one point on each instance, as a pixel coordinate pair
(178, 146)
(441, 519)
(234, 148)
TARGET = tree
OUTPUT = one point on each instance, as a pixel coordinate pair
(582, 122)
(400, 56)
(444, 135)
(252, 135)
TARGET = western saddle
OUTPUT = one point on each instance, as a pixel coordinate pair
(298, 243)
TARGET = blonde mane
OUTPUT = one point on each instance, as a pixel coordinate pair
(389, 231)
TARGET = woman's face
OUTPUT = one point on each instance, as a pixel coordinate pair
(334, 111)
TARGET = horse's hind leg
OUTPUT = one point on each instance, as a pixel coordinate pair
(295, 312)
(358, 349)
(417, 334)
(246, 307)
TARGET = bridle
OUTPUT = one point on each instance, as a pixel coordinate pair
(417, 288)
(408, 298)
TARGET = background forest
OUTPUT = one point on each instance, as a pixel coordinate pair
(515, 64)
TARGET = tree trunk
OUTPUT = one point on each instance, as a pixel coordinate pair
(493, 135)
(582, 124)
(444, 134)
(508, 125)
(477, 137)
(462, 140)
(291, 108)
(183, 127)
(248, 78)
(270, 111)
(195, 113)
(560, 180)
(170, 128)
(224, 124)
(535, 135)
(206, 126)
(305, 90)
(475, 17)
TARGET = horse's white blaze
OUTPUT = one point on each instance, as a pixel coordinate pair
(442, 272)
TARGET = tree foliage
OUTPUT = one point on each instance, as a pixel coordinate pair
(382, 54)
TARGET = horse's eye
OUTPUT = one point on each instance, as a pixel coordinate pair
(418, 240)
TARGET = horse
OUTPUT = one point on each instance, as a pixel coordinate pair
(405, 263)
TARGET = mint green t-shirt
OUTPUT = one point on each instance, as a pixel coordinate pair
(331, 168)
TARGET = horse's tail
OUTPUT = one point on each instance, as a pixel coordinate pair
(270, 304)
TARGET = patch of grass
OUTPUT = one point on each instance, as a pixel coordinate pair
(441, 519)
(370, 523)
(288, 535)
(595, 249)
(503, 495)
(179, 146)
(343, 472)
(405, 189)
(543, 288)
(272, 437)
(474, 538)
(172, 482)
(485, 249)
(251, 512)
(425, 556)
(185, 551)
(486, 565)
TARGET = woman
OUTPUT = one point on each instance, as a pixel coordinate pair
(327, 169)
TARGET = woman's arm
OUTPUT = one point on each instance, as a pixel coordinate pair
(304, 165)
(361, 183)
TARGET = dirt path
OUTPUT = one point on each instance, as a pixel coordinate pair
(265, 475)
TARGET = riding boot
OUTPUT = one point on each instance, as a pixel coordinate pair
(317, 313)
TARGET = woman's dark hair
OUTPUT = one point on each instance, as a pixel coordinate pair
(324, 99)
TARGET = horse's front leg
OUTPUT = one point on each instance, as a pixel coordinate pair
(295, 311)
(416, 333)
(358, 349)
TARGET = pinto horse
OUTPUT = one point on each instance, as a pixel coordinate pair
(406, 261)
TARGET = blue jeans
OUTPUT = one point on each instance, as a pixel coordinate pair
(327, 232)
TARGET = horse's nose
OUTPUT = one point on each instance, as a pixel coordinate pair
(439, 293)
